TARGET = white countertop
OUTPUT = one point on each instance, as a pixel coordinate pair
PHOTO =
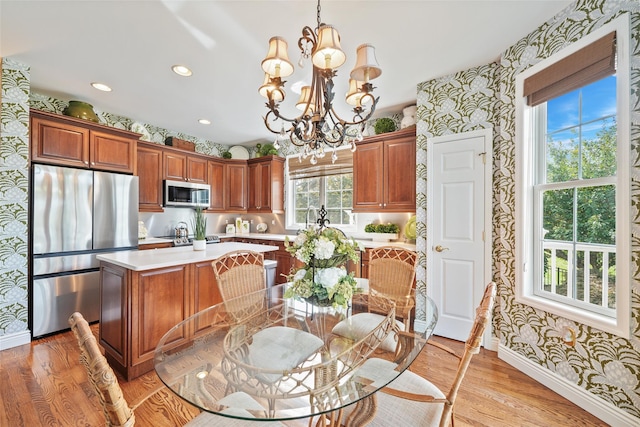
(140, 260)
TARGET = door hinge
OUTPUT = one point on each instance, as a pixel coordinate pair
(484, 157)
(483, 235)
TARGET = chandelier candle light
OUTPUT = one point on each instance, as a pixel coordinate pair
(319, 126)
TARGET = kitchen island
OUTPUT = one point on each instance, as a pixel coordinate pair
(143, 294)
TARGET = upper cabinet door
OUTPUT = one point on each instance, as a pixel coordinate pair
(400, 174)
(384, 173)
(111, 152)
(59, 143)
(197, 170)
(236, 186)
(174, 166)
(68, 141)
(149, 171)
(266, 185)
(368, 177)
(217, 183)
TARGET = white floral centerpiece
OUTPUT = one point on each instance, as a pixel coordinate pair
(323, 280)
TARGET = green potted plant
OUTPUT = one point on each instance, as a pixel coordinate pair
(384, 125)
(199, 225)
(382, 232)
(268, 150)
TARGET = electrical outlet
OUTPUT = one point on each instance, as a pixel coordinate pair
(568, 336)
(273, 222)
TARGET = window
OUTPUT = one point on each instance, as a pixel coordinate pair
(572, 205)
(334, 192)
(327, 183)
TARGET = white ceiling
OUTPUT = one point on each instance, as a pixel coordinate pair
(131, 46)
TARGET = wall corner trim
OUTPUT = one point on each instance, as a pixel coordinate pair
(591, 403)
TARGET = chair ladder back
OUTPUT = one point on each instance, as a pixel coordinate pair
(472, 346)
(116, 409)
(391, 273)
(241, 274)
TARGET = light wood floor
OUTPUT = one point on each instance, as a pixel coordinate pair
(43, 384)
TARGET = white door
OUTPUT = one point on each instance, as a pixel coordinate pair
(459, 227)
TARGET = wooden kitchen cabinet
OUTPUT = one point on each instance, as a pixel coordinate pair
(216, 181)
(184, 167)
(364, 264)
(235, 174)
(205, 287)
(149, 172)
(68, 141)
(266, 185)
(384, 173)
(197, 169)
(149, 246)
(284, 259)
(174, 166)
(285, 263)
(137, 309)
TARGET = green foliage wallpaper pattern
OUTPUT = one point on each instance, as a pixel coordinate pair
(460, 102)
(603, 364)
(14, 156)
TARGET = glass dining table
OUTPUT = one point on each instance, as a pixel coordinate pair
(286, 359)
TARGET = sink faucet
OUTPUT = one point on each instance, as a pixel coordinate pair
(315, 211)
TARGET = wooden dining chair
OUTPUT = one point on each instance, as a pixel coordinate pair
(411, 400)
(392, 271)
(391, 276)
(117, 411)
(241, 274)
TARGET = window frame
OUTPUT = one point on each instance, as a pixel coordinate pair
(290, 200)
(524, 197)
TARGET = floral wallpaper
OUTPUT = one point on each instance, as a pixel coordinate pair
(452, 104)
(606, 365)
(14, 172)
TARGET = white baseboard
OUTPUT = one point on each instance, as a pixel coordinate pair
(419, 325)
(605, 411)
(14, 340)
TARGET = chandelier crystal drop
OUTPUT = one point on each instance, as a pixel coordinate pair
(318, 125)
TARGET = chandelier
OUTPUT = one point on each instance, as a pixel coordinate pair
(319, 126)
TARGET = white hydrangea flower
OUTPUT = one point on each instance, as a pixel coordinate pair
(324, 248)
(299, 274)
(328, 277)
(300, 239)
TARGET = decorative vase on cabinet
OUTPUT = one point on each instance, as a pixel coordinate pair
(81, 110)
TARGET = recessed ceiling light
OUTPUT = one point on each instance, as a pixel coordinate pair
(101, 86)
(181, 70)
(204, 122)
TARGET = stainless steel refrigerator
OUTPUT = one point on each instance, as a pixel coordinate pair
(75, 214)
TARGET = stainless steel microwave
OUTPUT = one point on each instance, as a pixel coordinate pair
(186, 194)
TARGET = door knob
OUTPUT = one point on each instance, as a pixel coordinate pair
(439, 248)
